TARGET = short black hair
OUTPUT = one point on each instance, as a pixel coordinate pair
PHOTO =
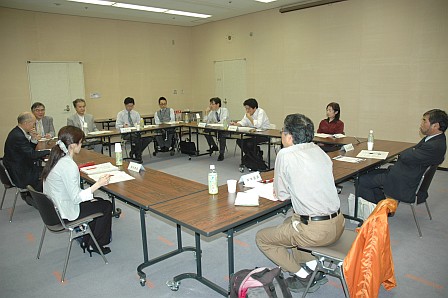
(216, 100)
(300, 127)
(162, 98)
(251, 102)
(78, 100)
(36, 105)
(438, 116)
(129, 100)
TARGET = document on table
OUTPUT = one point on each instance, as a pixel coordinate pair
(264, 190)
(98, 169)
(348, 159)
(246, 199)
(115, 176)
(245, 129)
(324, 135)
(373, 154)
(215, 124)
(99, 132)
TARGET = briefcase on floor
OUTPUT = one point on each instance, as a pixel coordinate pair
(187, 147)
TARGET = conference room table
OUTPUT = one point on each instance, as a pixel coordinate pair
(188, 205)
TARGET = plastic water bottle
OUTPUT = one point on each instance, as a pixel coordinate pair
(225, 123)
(142, 123)
(118, 155)
(370, 141)
(212, 181)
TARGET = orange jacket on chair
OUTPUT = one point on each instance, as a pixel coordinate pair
(369, 262)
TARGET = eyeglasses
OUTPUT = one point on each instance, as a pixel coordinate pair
(39, 110)
(283, 131)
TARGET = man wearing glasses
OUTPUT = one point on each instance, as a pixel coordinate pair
(44, 124)
(164, 141)
(304, 175)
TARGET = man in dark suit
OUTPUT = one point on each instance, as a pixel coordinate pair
(21, 158)
(44, 124)
(401, 180)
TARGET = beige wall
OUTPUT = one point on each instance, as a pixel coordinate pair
(384, 61)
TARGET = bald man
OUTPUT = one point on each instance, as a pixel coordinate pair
(21, 158)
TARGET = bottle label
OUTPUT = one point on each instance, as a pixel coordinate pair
(212, 183)
(118, 159)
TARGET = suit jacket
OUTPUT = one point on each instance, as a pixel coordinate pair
(73, 120)
(47, 123)
(21, 158)
(403, 177)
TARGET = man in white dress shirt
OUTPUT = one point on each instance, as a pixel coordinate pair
(216, 114)
(165, 138)
(130, 118)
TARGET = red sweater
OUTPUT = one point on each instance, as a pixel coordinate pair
(332, 127)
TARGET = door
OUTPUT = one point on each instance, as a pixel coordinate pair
(56, 85)
(230, 86)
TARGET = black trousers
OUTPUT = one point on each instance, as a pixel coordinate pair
(138, 143)
(370, 185)
(221, 139)
(101, 226)
(249, 146)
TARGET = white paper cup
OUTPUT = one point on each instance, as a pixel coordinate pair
(231, 186)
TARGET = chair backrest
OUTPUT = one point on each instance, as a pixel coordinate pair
(4, 175)
(425, 182)
(46, 207)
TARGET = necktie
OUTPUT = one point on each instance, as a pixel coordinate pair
(217, 116)
(130, 119)
(39, 128)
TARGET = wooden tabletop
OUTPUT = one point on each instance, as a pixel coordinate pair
(148, 188)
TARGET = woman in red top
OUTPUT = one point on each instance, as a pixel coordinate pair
(332, 125)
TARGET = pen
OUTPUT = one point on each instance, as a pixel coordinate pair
(267, 181)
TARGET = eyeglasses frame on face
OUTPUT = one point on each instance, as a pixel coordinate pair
(39, 110)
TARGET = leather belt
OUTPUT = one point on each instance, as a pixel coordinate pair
(305, 218)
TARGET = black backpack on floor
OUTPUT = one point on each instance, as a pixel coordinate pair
(254, 163)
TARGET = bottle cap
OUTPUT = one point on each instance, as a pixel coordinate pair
(371, 131)
(117, 147)
(212, 167)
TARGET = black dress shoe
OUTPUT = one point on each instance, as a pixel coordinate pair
(104, 249)
(221, 157)
(213, 148)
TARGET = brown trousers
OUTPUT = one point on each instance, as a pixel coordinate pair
(274, 242)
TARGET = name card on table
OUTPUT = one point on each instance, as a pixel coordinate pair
(232, 128)
(250, 179)
(135, 167)
(202, 124)
(348, 147)
(125, 129)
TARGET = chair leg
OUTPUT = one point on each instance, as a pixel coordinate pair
(343, 281)
(69, 248)
(429, 212)
(14, 205)
(41, 242)
(416, 221)
(96, 244)
(3, 198)
(310, 282)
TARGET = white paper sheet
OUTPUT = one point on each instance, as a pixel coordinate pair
(246, 199)
(101, 168)
(348, 159)
(99, 132)
(264, 190)
(116, 176)
(373, 154)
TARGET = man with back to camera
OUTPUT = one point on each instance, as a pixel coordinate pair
(44, 124)
(164, 141)
(256, 118)
(216, 114)
(86, 122)
(400, 181)
(303, 173)
(129, 118)
(21, 158)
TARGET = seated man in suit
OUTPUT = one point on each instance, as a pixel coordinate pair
(256, 118)
(44, 124)
(216, 114)
(20, 158)
(86, 122)
(129, 118)
(401, 180)
(303, 174)
(164, 141)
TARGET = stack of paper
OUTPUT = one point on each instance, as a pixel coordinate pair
(373, 154)
(115, 176)
(101, 168)
(246, 199)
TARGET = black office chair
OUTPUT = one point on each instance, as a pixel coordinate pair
(54, 223)
(421, 194)
(8, 184)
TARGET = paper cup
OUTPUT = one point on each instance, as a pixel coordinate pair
(231, 186)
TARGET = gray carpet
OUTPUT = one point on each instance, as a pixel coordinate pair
(421, 266)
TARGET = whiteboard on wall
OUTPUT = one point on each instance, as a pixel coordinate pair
(56, 85)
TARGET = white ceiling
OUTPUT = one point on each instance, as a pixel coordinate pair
(219, 9)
